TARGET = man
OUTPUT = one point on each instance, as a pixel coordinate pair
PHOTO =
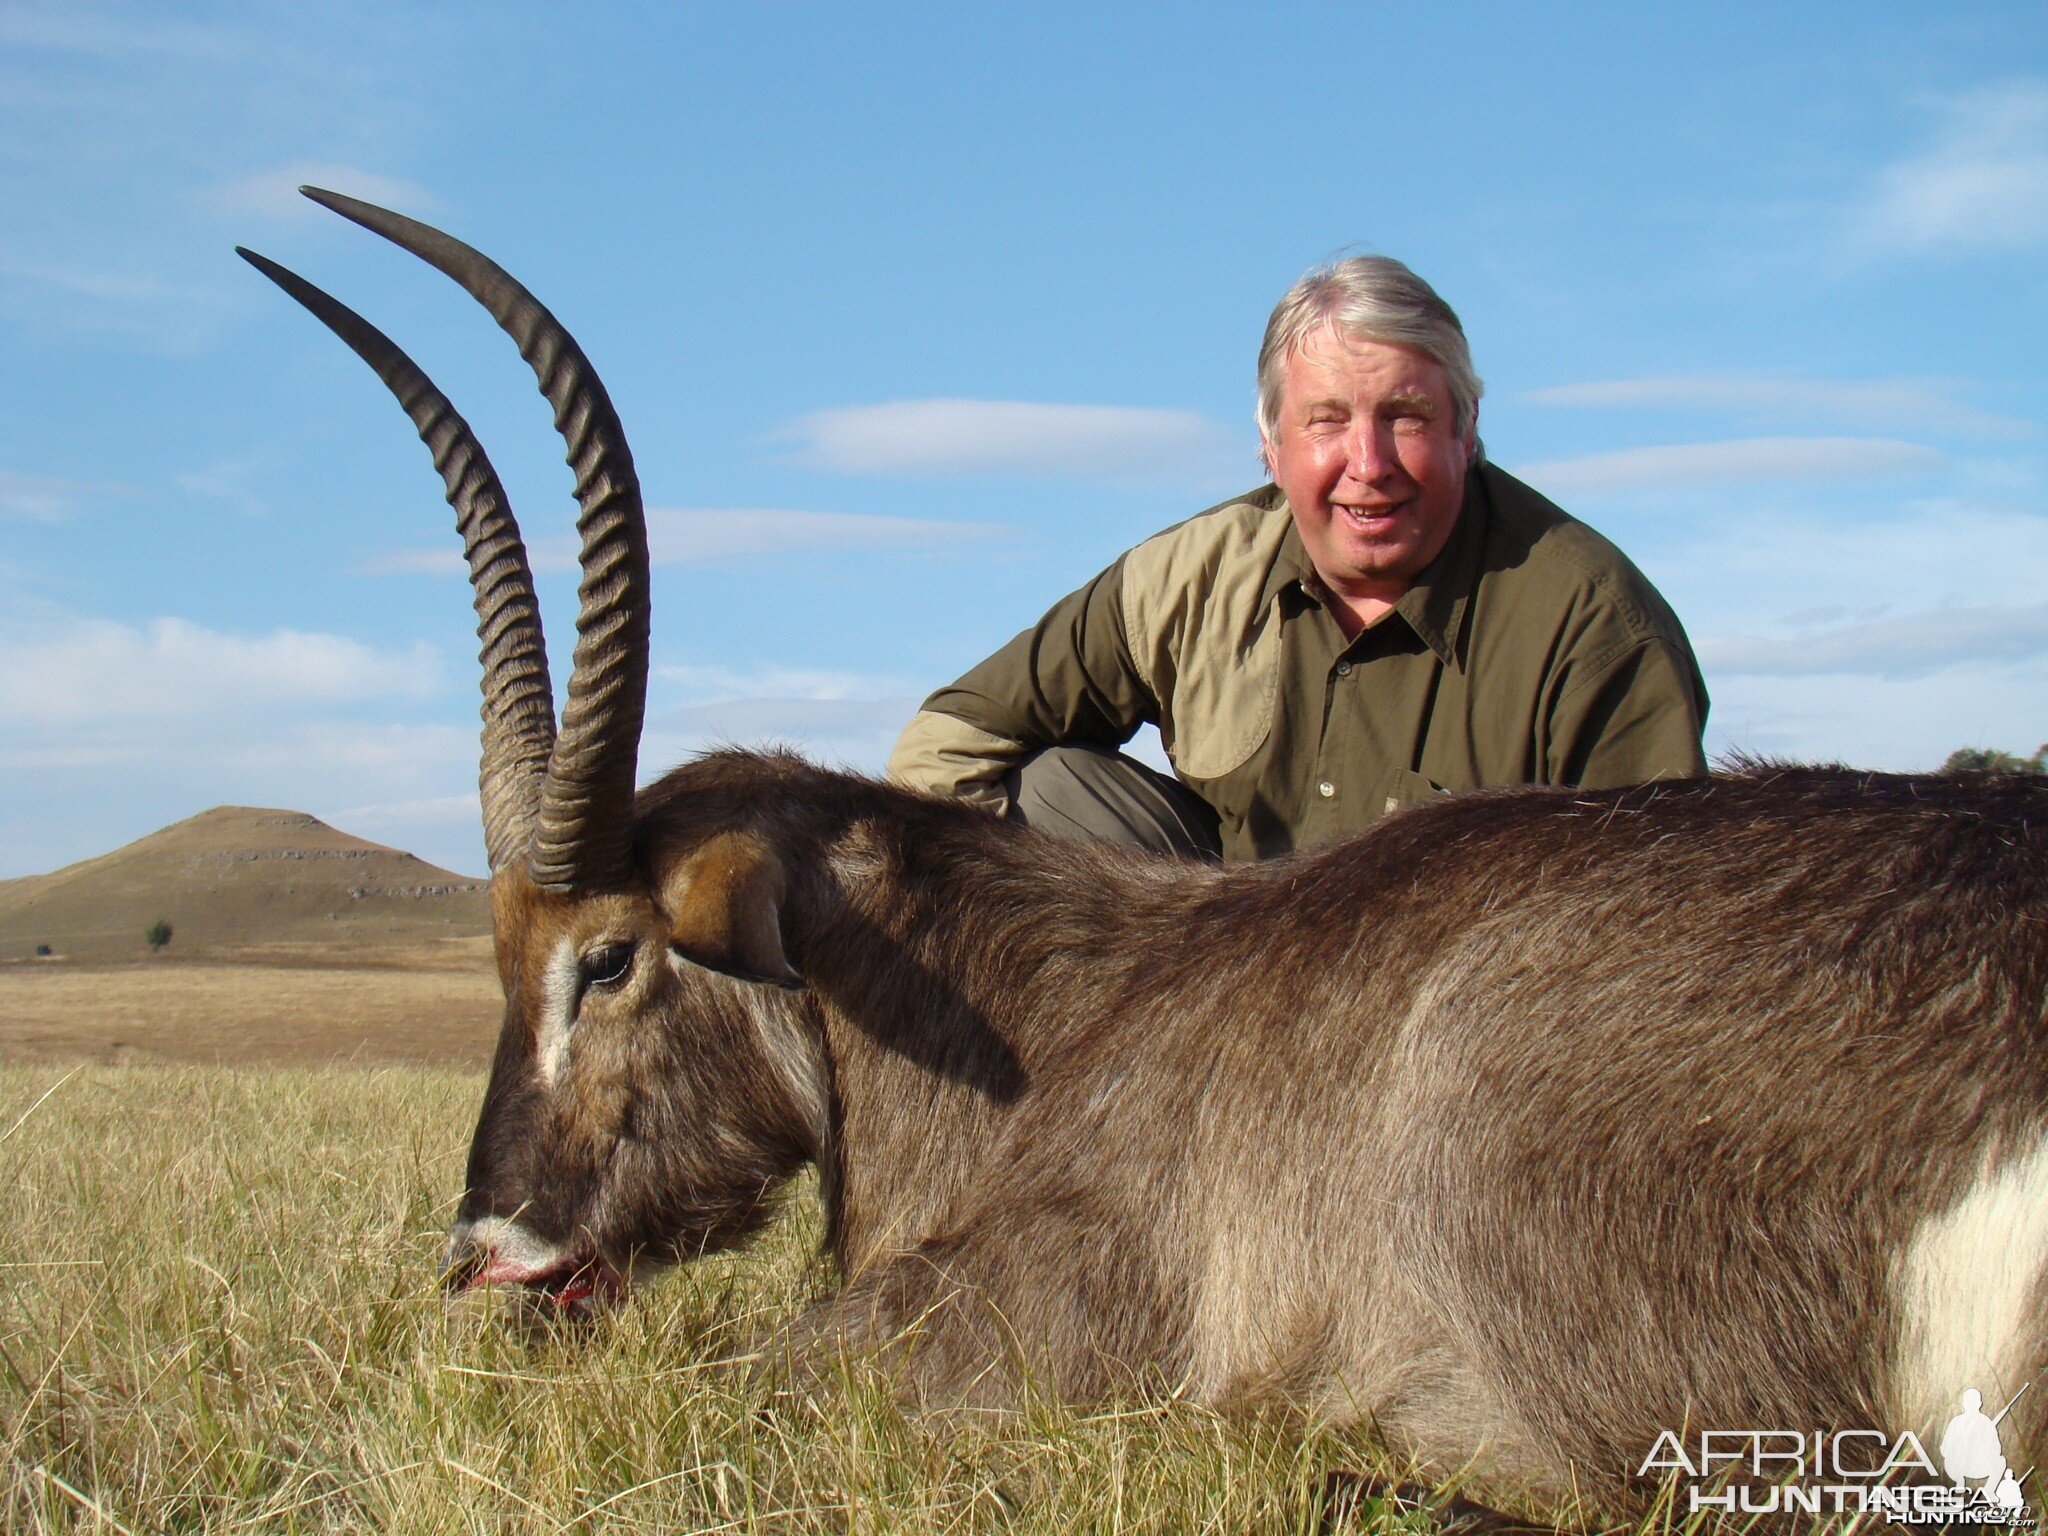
(1390, 619)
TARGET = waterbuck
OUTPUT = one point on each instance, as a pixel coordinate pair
(1529, 1126)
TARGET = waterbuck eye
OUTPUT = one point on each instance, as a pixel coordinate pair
(607, 966)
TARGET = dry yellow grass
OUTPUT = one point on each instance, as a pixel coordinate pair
(299, 1006)
(218, 1313)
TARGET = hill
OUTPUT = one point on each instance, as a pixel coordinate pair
(238, 879)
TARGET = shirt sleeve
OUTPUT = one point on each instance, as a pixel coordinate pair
(1069, 678)
(1638, 718)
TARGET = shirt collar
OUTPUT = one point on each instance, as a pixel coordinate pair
(1434, 605)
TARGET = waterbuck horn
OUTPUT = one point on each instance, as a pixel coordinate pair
(519, 704)
(582, 839)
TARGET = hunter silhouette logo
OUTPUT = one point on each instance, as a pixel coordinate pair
(1972, 1451)
(1854, 1471)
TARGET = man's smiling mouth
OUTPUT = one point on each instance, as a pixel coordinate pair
(1376, 516)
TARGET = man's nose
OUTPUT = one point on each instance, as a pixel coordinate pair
(1369, 452)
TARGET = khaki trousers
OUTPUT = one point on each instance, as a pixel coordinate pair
(1092, 792)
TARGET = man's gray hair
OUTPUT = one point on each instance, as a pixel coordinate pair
(1374, 298)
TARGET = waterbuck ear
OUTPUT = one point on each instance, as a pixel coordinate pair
(724, 905)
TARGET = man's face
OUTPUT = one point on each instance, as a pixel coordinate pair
(1366, 450)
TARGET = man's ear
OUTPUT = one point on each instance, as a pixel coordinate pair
(724, 906)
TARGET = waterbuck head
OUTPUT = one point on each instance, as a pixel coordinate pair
(650, 1084)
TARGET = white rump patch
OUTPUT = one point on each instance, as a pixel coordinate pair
(1967, 1293)
(558, 1012)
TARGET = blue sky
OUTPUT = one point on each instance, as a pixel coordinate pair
(918, 316)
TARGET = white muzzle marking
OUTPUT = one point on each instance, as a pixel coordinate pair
(516, 1255)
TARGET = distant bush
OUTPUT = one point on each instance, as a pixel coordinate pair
(1991, 760)
(42, 951)
(159, 934)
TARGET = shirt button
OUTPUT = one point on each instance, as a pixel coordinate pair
(1326, 789)
(1343, 669)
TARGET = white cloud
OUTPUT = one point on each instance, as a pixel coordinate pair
(41, 498)
(1894, 723)
(274, 194)
(105, 674)
(676, 536)
(692, 536)
(1759, 563)
(392, 756)
(1739, 459)
(709, 684)
(291, 756)
(432, 810)
(1982, 183)
(95, 32)
(118, 125)
(1903, 645)
(98, 784)
(109, 300)
(843, 717)
(1881, 403)
(228, 481)
(1878, 630)
(444, 560)
(1007, 437)
(796, 721)
(92, 283)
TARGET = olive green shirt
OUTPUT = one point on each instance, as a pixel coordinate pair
(1530, 651)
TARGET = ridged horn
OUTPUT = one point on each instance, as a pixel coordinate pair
(518, 702)
(583, 833)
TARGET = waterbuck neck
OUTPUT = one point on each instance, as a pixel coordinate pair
(951, 962)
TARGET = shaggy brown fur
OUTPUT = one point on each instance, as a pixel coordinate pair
(1524, 1125)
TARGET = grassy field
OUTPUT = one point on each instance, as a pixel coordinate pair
(288, 1006)
(217, 1313)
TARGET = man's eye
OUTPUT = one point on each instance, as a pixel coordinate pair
(604, 967)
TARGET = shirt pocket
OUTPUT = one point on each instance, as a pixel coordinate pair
(1407, 788)
(1223, 702)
